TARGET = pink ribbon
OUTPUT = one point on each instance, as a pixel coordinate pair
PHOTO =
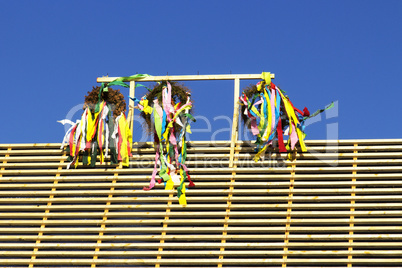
(158, 108)
(273, 110)
(167, 100)
(152, 183)
(293, 137)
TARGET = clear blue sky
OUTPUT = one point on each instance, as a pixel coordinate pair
(320, 51)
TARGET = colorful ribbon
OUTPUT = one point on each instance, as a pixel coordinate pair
(270, 112)
(170, 144)
(272, 115)
(98, 133)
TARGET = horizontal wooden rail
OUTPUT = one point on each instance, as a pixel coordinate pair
(186, 77)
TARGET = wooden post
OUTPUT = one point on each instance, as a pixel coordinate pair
(164, 228)
(229, 203)
(235, 122)
(131, 105)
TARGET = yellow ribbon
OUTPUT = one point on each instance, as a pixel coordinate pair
(147, 109)
(91, 125)
(188, 129)
(266, 76)
(292, 117)
(260, 152)
(182, 198)
(127, 140)
(169, 184)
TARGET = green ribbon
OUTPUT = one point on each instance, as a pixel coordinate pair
(97, 106)
(118, 82)
(85, 158)
(190, 117)
(131, 78)
(68, 150)
(158, 124)
(141, 85)
(184, 155)
(94, 152)
(163, 171)
(321, 110)
(171, 151)
(180, 188)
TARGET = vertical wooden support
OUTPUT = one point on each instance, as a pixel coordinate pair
(131, 104)
(229, 202)
(352, 206)
(105, 212)
(5, 160)
(165, 226)
(45, 216)
(235, 122)
(233, 143)
(288, 214)
(7, 155)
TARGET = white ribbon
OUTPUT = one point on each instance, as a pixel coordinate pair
(66, 136)
(104, 114)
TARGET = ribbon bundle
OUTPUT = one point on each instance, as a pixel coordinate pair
(271, 115)
(170, 123)
(97, 132)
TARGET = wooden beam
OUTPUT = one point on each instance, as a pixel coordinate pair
(131, 105)
(188, 77)
(235, 122)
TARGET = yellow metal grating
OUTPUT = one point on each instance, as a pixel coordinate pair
(339, 205)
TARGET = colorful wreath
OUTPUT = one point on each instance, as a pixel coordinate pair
(166, 110)
(270, 115)
(98, 132)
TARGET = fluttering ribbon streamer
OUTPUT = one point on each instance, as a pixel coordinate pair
(272, 115)
(98, 133)
(171, 123)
